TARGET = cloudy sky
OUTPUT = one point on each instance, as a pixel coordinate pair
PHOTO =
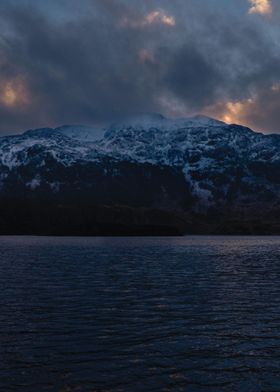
(91, 61)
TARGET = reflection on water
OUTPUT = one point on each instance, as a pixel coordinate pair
(140, 314)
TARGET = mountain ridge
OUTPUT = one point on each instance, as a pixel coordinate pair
(201, 169)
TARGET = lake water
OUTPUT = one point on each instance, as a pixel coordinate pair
(140, 314)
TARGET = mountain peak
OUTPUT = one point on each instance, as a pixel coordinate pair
(146, 121)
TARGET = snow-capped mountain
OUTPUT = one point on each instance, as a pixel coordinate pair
(195, 165)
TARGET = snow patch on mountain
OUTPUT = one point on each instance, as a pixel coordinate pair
(149, 121)
(81, 132)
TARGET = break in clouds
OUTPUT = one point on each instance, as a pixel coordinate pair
(89, 62)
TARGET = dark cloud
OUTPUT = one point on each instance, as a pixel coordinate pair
(91, 61)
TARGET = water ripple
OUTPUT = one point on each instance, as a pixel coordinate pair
(140, 314)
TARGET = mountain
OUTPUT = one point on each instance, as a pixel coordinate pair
(146, 174)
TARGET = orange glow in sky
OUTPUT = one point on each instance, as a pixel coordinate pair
(155, 17)
(14, 94)
(231, 112)
(260, 7)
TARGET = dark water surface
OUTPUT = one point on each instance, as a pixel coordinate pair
(140, 314)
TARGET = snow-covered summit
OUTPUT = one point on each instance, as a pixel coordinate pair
(147, 121)
(139, 122)
(202, 121)
(77, 132)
